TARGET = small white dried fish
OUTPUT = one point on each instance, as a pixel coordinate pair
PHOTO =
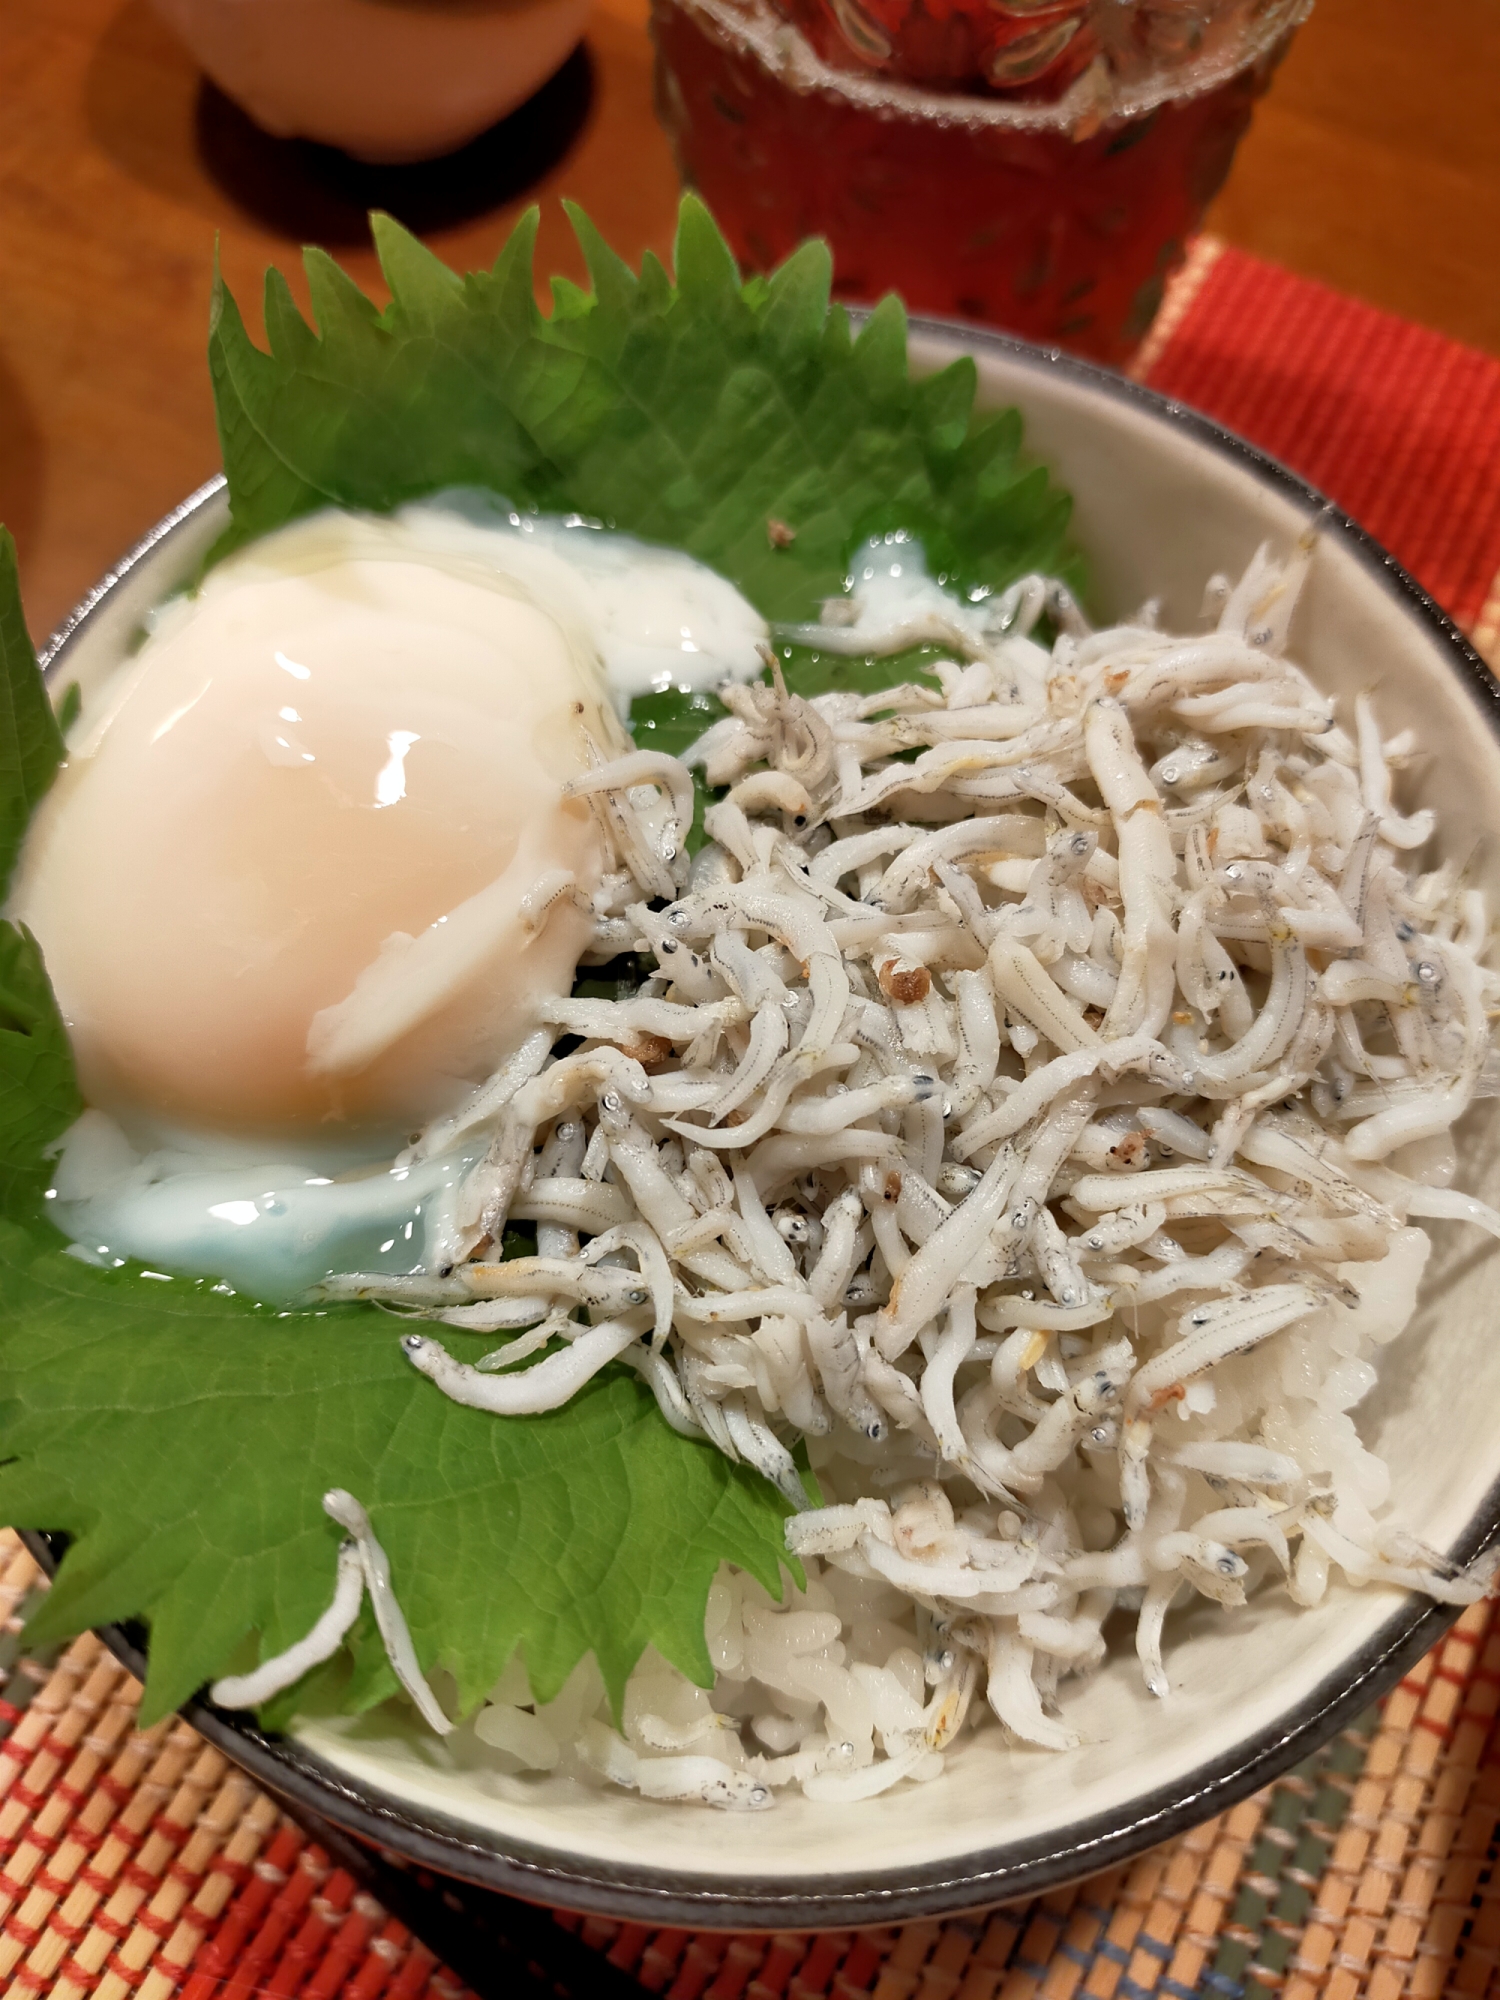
(1046, 1164)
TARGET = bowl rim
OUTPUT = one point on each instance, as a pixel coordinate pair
(1001, 1871)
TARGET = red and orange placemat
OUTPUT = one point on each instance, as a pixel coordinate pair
(142, 1863)
(1399, 426)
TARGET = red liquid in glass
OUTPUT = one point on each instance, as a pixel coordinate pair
(1068, 240)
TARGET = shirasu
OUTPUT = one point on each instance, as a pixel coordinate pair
(1038, 1053)
(362, 1566)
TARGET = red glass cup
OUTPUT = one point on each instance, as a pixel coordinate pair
(1059, 217)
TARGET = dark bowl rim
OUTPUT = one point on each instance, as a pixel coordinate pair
(1002, 1871)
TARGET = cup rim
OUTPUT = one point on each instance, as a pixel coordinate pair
(757, 30)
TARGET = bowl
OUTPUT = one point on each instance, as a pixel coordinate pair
(386, 80)
(1164, 499)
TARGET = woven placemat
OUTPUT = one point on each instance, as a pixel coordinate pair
(1398, 425)
(141, 1862)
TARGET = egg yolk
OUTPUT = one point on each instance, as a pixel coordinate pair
(284, 883)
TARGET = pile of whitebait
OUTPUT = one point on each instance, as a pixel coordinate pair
(1044, 1064)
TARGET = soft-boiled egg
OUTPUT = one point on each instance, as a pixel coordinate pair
(281, 883)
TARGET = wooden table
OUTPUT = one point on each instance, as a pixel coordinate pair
(1372, 166)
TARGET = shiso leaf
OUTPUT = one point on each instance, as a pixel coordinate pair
(688, 414)
(269, 487)
(427, 283)
(31, 745)
(38, 1093)
(880, 352)
(615, 284)
(707, 276)
(796, 307)
(184, 1437)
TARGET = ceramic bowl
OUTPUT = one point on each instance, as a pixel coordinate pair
(1164, 499)
(386, 80)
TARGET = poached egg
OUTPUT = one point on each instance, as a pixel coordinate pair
(281, 883)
